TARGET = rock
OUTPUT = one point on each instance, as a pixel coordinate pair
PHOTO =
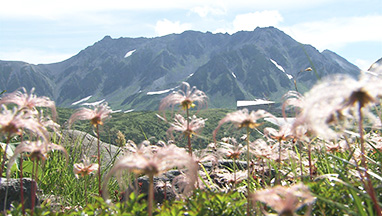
(160, 189)
(169, 176)
(14, 191)
(82, 143)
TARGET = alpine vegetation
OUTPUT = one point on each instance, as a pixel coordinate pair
(24, 118)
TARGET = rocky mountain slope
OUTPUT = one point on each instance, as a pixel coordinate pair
(135, 73)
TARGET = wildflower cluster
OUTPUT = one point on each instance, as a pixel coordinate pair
(338, 114)
(25, 118)
(96, 116)
(153, 160)
(185, 98)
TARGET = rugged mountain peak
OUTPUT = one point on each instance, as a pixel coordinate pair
(135, 73)
(107, 37)
(376, 67)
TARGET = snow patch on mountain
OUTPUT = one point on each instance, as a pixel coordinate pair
(253, 102)
(129, 53)
(82, 100)
(281, 68)
(93, 103)
(160, 92)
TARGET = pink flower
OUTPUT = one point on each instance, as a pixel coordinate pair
(149, 162)
(284, 133)
(38, 151)
(46, 122)
(285, 200)
(13, 122)
(203, 156)
(294, 99)
(230, 148)
(260, 149)
(85, 168)
(232, 178)
(28, 101)
(188, 128)
(243, 118)
(96, 115)
(330, 106)
(184, 97)
(152, 161)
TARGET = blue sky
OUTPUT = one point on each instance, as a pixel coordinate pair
(47, 31)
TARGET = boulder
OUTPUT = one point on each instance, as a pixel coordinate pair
(162, 191)
(14, 191)
(78, 142)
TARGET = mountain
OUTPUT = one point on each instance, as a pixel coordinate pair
(376, 67)
(136, 73)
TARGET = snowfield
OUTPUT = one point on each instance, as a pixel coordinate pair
(281, 68)
(129, 53)
(253, 102)
(82, 100)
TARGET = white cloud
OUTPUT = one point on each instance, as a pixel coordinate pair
(165, 26)
(33, 56)
(54, 9)
(363, 64)
(114, 18)
(206, 10)
(337, 32)
(249, 21)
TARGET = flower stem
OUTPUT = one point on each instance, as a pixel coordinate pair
(85, 189)
(188, 132)
(21, 179)
(310, 159)
(33, 187)
(295, 84)
(21, 185)
(234, 172)
(278, 181)
(151, 194)
(368, 186)
(99, 162)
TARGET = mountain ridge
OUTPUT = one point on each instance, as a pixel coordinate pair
(129, 72)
